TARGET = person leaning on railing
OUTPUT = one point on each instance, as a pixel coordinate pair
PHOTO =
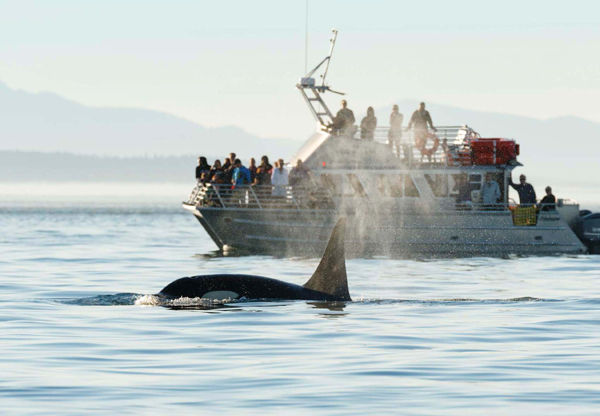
(525, 190)
(343, 122)
(204, 177)
(211, 197)
(418, 122)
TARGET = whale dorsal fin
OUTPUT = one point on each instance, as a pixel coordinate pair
(330, 276)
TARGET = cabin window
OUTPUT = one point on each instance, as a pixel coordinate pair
(410, 189)
(357, 186)
(343, 185)
(382, 185)
(397, 186)
(332, 182)
(455, 179)
(438, 184)
(475, 180)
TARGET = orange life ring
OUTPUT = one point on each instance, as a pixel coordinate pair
(420, 144)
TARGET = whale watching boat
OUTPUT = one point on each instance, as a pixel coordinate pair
(402, 201)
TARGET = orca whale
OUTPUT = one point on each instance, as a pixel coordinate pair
(328, 283)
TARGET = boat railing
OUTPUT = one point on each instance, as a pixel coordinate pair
(262, 197)
(447, 145)
(320, 198)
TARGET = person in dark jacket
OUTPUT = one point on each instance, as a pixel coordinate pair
(263, 172)
(299, 175)
(343, 120)
(420, 119)
(216, 168)
(252, 168)
(526, 192)
(548, 203)
(463, 187)
(228, 168)
(202, 167)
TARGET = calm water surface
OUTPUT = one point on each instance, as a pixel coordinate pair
(454, 337)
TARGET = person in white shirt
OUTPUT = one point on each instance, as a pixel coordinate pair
(490, 193)
(279, 179)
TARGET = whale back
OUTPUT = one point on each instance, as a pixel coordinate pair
(330, 276)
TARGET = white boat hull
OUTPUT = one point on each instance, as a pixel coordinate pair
(425, 234)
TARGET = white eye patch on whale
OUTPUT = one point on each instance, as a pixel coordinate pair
(220, 295)
(328, 283)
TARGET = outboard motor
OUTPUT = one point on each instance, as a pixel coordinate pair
(588, 231)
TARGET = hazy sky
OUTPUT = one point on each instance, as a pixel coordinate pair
(236, 62)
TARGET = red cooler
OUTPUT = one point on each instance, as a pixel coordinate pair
(493, 151)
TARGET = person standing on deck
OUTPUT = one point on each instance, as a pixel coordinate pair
(368, 125)
(228, 167)
(343, 120)
(526, 192)
(216, 168)
(395, 133)
(240, 177)
(490, 192)
(241, 174)
(252, 167)
(202, 167)
(279, 179)
(262, 178)
(418, 122)
(299, 175)
(548, 203)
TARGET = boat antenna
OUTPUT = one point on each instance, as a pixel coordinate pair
(328, 59)
(308, 83)
(306, 41)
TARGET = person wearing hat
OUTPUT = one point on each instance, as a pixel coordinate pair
(526, 192)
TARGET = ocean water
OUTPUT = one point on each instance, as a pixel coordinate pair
(79, 333)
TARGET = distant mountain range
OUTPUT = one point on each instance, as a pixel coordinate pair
(136, 144)
(46, 122)
(20, 166)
